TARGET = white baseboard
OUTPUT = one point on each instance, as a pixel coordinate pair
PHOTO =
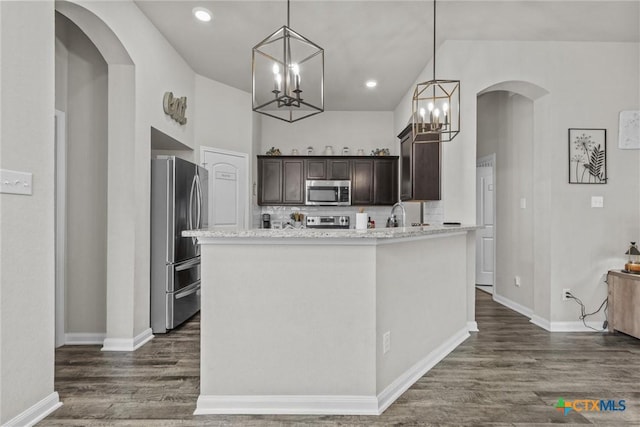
(485, 288)
(576, 326)
(329, 405)
(401, 384)
(83, 338)
(127, 344)
(541, 322)
(525, 311)
(309, 405)
(473, 326)
(36, 412)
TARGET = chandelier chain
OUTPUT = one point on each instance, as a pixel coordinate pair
(434, 39)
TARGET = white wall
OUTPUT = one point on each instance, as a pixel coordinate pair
(27, 222)
(223, 117)
(354, 129)
(505, 127)
(81, 92)
(573, 244)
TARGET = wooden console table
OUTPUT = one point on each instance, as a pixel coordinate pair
(624, 302)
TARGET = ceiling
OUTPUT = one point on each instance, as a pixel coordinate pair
(389, 41)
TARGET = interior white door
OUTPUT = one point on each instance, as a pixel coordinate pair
(227, 187)
(485, 242)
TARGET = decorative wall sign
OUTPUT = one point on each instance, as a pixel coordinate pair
(629, 130)
(175, 107)
(587, 156)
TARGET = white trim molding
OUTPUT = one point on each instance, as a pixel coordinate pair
(128, 344)
(401, 384)
(472, 326)
(309, 405)
(576, 326)
(83, 338)
(36, 413)
(541, 322)
(518, 308)
(329, 405)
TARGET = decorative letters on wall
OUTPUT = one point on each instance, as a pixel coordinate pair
(175, 107)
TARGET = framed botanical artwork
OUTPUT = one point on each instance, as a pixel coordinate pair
(587, 156)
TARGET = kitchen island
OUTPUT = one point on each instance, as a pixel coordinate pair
(309, 321)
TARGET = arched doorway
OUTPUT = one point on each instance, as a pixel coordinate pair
(122, 187)
(506, 128)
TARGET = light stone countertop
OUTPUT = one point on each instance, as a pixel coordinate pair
(287, 234)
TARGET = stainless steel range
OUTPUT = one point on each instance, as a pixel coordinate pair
(340, 221)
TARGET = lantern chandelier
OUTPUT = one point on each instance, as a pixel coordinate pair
(287, 70)
(436, 105)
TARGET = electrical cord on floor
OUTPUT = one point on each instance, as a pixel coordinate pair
(584, 314)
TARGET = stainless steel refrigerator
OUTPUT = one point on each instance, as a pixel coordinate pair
(178, 202)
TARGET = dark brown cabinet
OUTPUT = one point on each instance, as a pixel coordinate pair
(385, 181)
(420, 167)
(334, 169)
(362, 182)
(374, 181)
(270, 181)
(281, 179)
(293, 182)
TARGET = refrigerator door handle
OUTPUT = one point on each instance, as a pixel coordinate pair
(190, 213)
(195, 287)
(199, 201)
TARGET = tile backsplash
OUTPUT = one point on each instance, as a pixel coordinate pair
(433, 213)
(282, 213)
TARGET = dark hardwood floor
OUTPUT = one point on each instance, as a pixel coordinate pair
(510, 373)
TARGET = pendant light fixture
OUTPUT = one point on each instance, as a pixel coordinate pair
(287, 70)
(436, 105)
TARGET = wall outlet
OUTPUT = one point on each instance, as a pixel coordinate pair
(386, 342)
(516, 281)
(597, 201)
(565, 294)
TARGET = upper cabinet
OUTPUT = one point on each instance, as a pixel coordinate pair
(281, 179)
(420, 167)
(374, 181)
(323, 168)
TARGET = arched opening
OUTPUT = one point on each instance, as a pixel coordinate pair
(506, 120)
(120, 183)
(81, 187)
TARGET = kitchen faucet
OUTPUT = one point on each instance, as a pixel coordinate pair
(404, 213)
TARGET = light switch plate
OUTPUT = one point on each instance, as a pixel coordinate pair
(597, 202)
(14, 182)
(523, 203)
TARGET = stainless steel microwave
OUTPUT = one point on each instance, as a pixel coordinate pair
(327, 193)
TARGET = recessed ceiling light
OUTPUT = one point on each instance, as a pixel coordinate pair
(371, 83)
(202, 14)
